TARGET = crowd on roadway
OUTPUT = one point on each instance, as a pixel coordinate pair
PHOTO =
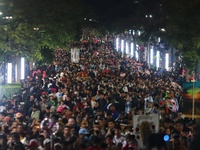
(90, 105)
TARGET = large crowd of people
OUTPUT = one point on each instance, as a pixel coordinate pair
(90, 105)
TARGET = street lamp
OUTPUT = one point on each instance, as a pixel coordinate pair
(157, 59)
(22, 68)
(117, 43)
(127, 48)
(151, 55)
(132, 49)
(9, 73)
(122, 47)
(167, 61)
(136, 52)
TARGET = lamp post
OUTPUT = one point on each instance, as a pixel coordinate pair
(193, 96)
(4, 68)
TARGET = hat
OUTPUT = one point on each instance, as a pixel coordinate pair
(109, 105)
(150, 100)
(58, 145)
(2, 136)
(124, 124)
(172, 100)
(44, 93)
(46, 141)
(33, 143)
(83, 131)
(61, 108)
(51, 95)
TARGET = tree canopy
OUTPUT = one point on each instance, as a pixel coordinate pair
(52, 23)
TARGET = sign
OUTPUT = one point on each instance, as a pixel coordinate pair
(144, 126)
(191, 99)
(75, 57)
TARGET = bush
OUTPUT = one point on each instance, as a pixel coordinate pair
(9, 90)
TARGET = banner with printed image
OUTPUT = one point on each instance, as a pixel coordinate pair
(191, 90)
(144, 126)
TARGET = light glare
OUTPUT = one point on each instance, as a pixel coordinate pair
(167, 61)
(132, 49)
(122, 46)
(127, 48)
(9, 73)
(151, 55)
(22, 68)
(158, 59)
(117, 44)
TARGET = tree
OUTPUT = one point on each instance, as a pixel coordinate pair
(36, 24)
(182, 29)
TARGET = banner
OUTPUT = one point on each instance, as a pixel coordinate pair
(75, 57)
(144, 126)
(191, 91)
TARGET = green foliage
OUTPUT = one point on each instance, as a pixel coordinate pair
(182, 29)
(9, 90)
(36, 23)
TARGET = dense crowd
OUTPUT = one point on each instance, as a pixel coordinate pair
(90, 105)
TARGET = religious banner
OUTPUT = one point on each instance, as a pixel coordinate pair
(191, 99)
(75, 57)
(144, 126)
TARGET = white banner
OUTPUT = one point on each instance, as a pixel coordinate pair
(75, 57)
(144, 126)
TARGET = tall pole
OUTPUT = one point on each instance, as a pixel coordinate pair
(4, 68)
(193, 103)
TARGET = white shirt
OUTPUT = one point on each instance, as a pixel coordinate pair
(117, 140)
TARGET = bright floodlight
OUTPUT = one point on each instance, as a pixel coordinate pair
(1, 13)
(139, 33)
(132, 49)
(16, 71)
(158, 39)
(22, 68)
(162, 29)
(136, 55)
(127, 48)
(158, 59)
(167, 61)
(122, 46)
(9, 73)
(117, 44)
(151, 55)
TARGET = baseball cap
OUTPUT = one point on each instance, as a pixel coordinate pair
(83, 131)
(46, 141)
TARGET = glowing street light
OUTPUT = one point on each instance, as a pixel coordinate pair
(162, 29)
(122, 46)
(151, 55)
(127, 48)
(117, 44)
(9, 73)
(136, 53)
(167, 61)
(22, 68)
(132, 49)
(158, 59)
